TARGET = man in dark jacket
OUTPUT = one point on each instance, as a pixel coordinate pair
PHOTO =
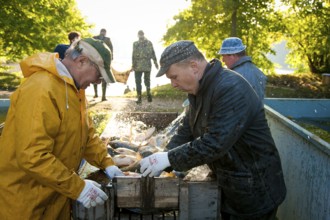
(107, 41)
(143, 53)
(225, 128)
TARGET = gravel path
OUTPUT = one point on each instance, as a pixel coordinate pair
(121, 103)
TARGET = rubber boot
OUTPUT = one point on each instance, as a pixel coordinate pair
(139, 100)
(104, 89)
(149, 95)
(95, 90)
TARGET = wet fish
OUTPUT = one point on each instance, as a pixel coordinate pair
(148, 150)
(159, 140)
(111, 151)
(144, 135)
(123, 144)
(124, 160)
(133, 174)
(134, 167)
(200, 173)
(125, 151)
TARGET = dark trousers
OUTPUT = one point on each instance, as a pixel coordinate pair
(138, 80)
(269, 216)
(104, 88)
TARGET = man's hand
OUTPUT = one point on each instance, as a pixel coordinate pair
(113, 171)
(154, 164)
(92, 195)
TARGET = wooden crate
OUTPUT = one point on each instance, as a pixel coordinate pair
(100, 212)
(199, 200)
(147, 194)
(149, 198)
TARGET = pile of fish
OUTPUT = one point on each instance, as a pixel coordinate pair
(131, 140)
(136, 140)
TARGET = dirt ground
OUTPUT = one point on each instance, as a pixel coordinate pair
(123, 104)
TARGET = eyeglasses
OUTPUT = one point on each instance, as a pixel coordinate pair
(97, 70)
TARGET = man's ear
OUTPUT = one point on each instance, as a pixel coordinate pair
(194, 65)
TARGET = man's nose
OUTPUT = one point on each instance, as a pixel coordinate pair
(173, 83)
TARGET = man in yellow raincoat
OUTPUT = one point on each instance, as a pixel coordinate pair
(47, 133)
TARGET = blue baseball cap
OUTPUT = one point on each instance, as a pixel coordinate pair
(231, 45)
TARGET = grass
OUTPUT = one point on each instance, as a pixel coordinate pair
(163, 91)
(302, 85)
(100, 120)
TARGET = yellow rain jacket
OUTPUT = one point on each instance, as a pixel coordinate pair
(47, 133)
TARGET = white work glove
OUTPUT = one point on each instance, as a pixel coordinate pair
(154, 164)
(113, 171)
(92, 194)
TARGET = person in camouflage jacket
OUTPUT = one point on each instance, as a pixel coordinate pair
(143, 53)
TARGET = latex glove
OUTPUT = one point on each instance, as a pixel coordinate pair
(92, 194)
(154, 164)
(113, 171)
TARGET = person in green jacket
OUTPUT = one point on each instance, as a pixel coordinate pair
(143, 52)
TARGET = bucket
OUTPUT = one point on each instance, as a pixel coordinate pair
(120, 76)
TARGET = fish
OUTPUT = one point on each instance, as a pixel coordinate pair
(123, 144)
(125, 151)
(134, 167)
(133, 174)
(124, 160)
(144, 135)
(111, 151)
(147, 150)
(200, 173)
(159, 140)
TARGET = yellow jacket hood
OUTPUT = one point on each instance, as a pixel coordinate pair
(45, 62)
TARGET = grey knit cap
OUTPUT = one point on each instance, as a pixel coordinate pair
(174, 53)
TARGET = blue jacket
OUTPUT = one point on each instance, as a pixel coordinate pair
(226, 128)
(252, 74)
(61, 49)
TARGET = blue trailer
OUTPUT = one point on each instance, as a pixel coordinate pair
(305, 157)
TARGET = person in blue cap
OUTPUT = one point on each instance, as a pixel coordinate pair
(234, 56)
(224, 127)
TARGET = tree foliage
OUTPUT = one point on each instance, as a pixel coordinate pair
(307, 30)
(305, 25)
(28, 26)
(208, 22)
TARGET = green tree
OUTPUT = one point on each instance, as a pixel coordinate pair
(28, 26)
(307, 29)
(208, 22)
